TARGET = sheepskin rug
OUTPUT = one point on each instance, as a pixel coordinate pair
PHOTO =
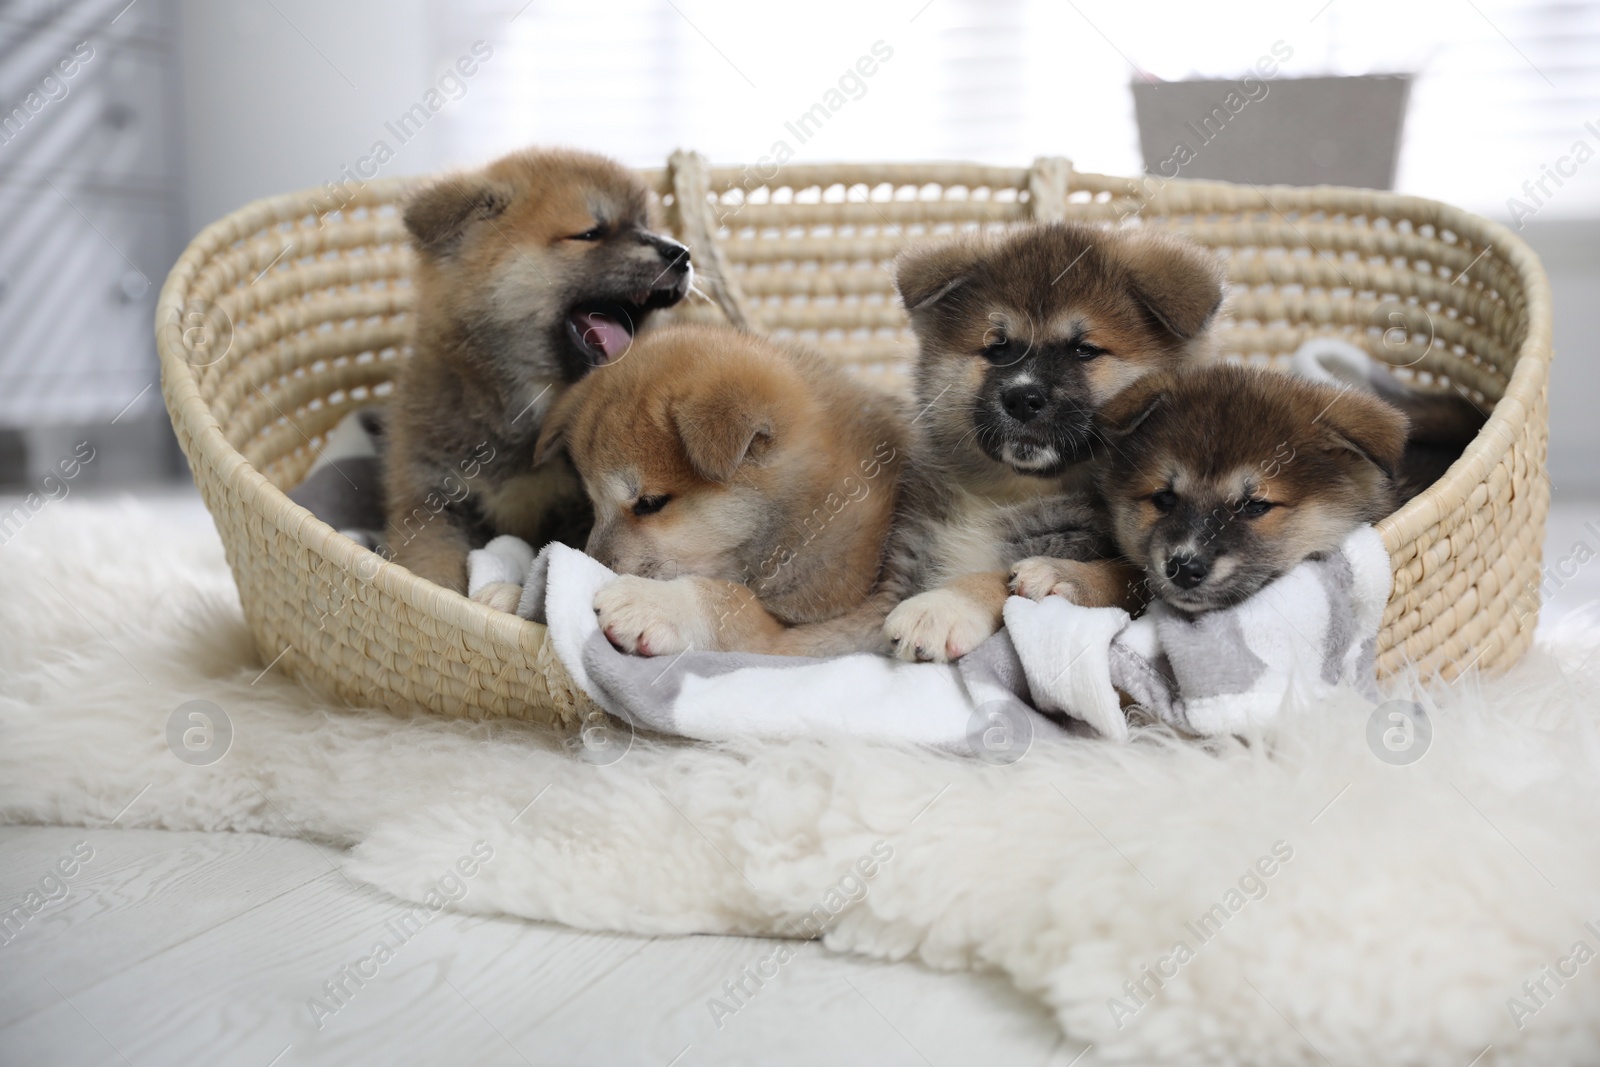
(1287, 898)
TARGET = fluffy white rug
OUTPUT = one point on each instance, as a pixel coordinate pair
(1332, 908)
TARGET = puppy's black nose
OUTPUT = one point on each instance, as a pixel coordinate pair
(1186, 572)
(675, 254)
(1023, 402)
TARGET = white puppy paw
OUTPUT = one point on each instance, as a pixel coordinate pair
(501, 596)
(1040, 576)
(647, 617)
(937, 626)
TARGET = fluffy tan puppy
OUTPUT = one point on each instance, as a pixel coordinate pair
(745, 488)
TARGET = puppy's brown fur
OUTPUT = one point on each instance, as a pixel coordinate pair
(747, 487)
(529, 273)
(1222, 478)
(1021, 340)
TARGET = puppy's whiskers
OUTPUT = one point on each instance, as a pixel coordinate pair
(969, 435)
(1097, 434)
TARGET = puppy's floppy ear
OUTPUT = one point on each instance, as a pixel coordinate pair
(1179, 282)
(439, 214)
(1359, 422)
(925, 276)
(1127, 411)
(558, 425)
(721, 429)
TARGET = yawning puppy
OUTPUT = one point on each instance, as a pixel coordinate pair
(744, 488)
(1021, 340)
(1223, 478)
(529, 274)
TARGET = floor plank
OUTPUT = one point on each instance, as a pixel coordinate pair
(207, 948)
(120, 908)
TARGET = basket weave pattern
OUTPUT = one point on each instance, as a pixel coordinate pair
(283, 316)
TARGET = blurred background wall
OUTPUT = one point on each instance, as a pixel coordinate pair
(189, 108)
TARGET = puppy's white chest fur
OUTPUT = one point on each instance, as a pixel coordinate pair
(969, 542)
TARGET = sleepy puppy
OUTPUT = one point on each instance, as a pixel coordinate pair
(1220, 479)
(530, 273)
(1021, 341)
(744, 488)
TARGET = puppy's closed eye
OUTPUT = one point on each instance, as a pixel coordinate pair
(649, 505)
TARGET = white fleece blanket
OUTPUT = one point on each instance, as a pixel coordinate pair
(1333, 907)
(1300, 637)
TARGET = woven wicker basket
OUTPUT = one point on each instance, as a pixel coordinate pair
(282, 317)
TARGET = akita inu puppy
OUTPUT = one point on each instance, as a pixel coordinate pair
(745, 490)
(1223, 478)
(530, 273)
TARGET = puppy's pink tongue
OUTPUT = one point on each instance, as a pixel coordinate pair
(604, 333)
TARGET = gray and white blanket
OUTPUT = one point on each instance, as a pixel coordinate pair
(1222, 672)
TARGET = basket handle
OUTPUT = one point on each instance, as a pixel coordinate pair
(1049, 182)
(689, 175)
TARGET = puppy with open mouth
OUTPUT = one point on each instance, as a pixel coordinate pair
(530, 273)
(1021, 341)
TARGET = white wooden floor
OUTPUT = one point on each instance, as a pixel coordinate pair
(187, 948)
(192, 948)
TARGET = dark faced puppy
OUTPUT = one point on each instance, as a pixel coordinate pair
(529, 274)
(1021, 340)
(1222, 478)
